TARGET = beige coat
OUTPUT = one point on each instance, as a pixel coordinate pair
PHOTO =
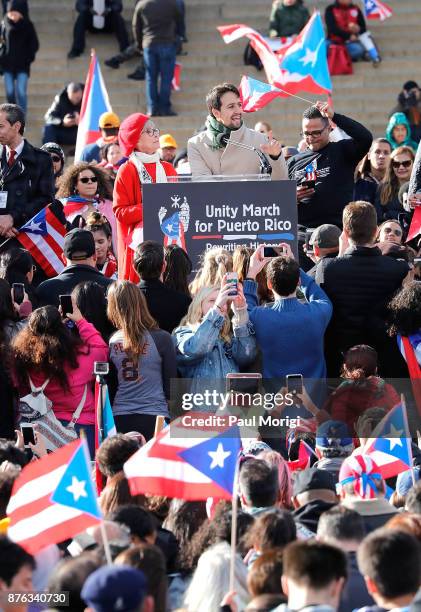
(204, 160)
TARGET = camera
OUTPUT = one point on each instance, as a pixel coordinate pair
(101, 368)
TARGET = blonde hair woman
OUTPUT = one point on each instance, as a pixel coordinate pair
(398, 172)
(215, 264)
(144, 358)
(208, 344)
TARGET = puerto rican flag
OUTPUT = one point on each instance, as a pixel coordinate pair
(255, 94)
(304, 458)
(75, 205)
(53, 499)
(415, 227)
(186, 462)
(43, 237)
(95, 101)
(390, 445)
(269, 59)
(173, 229)
(176, 80)
(375, 9)
(104, 424)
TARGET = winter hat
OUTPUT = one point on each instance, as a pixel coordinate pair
(129, 132)
(53, 147)
(361, 471)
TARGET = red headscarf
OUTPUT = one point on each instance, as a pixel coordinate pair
(129, 132)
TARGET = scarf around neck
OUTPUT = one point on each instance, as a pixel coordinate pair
(218, 133)
(138, 159)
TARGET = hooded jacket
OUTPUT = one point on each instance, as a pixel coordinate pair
(21, 45)
(400, 119)
(288, 20)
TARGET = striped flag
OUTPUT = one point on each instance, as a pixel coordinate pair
(176, 81)
(255, 94)
(269, 59)
(304, 458)
(53, 499)
(390, 444)
(43, 237)
(375, 9)
(181, 462)
(95, 101)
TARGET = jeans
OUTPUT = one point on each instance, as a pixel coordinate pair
(59, 134)
(159, 62)
(15, 86)
(355, 49)
(114, 22)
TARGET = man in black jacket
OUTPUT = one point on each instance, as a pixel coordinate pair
(325, 172)
(166, 306)
(79, 251)
(360, 283)
(110, 20)
(26, 173)
(62, 118)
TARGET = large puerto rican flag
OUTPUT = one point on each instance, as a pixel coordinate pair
(43, 237)
(53, 499)
(186, 463)
(95, 101)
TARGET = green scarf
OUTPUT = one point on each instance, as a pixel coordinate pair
(217, 132)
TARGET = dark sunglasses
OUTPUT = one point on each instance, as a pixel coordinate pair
(88, 179)
(405, 164)
(390, 230)
(56, 158)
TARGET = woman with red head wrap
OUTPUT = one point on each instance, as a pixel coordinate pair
(139, 141)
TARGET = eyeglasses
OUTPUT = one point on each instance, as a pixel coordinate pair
(88, 179)
(390, 230)
(406, 164)
(151, 131)
(313, 134)
(56, 158)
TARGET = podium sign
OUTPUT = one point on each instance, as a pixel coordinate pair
(202, 216)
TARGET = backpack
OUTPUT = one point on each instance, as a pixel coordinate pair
(36, 409)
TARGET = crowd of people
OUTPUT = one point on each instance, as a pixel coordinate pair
(342, 315)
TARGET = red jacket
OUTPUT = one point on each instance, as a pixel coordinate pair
(338, 18)
(128, 210)
(351, 399)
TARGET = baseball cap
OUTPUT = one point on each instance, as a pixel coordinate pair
(78, 244)
(109, 120)
(114, 588)
(326, 236)
(404, 481)
(166, 140)
(333, 434)
(312, 479)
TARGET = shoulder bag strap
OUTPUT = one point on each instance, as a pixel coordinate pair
(37, 390)
(76, 414)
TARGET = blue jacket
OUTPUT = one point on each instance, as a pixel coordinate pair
(289, 333)
(202, 353)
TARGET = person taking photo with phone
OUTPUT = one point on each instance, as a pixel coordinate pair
(290, 334)
(210, 345)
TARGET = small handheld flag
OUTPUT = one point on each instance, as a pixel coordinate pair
(43, 237)
(53, 499)
(375, 9)
(190, 468)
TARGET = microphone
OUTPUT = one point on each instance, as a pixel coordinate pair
(265, 167)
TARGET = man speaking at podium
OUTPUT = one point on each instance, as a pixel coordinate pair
(227, 146)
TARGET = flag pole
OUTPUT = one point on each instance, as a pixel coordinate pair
(234, 516)
(106, 543)
(409, 440)
(159, 425)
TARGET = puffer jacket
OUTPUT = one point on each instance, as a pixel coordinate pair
(288, 20)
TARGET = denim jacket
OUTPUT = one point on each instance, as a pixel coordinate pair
(202, 353)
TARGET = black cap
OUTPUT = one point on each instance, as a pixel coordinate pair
(21, 6)
(78, 244)
(312, 479)
(326, 236)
